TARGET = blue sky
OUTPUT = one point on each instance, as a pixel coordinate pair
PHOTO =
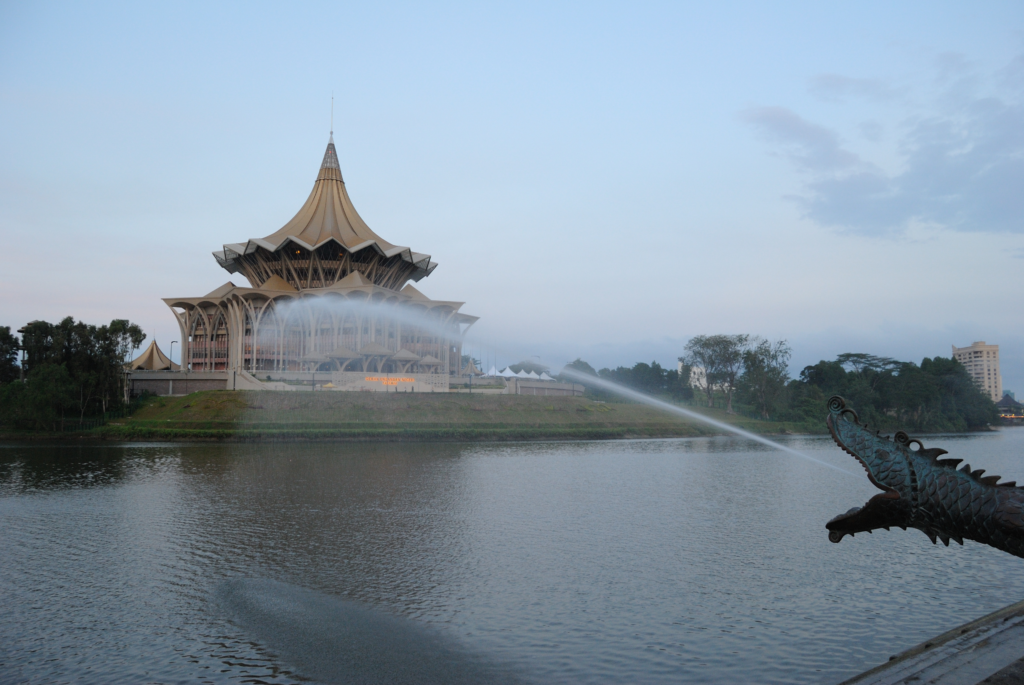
(595, 180)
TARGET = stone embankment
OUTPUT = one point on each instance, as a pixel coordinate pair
(989, 650)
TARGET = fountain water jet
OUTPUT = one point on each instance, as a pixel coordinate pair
(631, 394)
(419, 320)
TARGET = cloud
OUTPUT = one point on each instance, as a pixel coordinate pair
(871, 130)
(962, 167)
(837, 88)
(1012, 75)
(952, 65)
(811, 147)
(963, 175)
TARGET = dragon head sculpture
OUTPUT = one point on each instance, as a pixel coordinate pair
(919, 490)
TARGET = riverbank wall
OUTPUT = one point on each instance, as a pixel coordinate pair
(988, 650)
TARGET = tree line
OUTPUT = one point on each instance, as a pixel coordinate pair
(72, 370)
(749, 375)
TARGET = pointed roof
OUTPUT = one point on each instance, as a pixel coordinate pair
(404, 355)
(1008, 402)
(471, 370)
(153, 360)
(223, 290)
(275, 282)
(430, 360)
(372, 349)
(343, 353)
(413, 292)
(328, 214)
(355, 279)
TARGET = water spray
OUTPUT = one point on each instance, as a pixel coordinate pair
(421, 320)
(680, 411)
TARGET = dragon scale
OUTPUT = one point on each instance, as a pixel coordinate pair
(920, 490)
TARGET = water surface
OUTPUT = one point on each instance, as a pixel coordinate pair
(694, 560)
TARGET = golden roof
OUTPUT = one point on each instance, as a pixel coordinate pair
(327, 215)
(153, 360)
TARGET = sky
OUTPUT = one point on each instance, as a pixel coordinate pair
(595, 180)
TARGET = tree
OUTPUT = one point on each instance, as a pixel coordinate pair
(580, 366)
(92, 357)
(41, 401)
(9, 347)
(118, 343)
(700, 354)
(938, 395)
(721, 358)
(529, 366)
(860, 362)
(678, 383)
(766, 371)
(730, 350)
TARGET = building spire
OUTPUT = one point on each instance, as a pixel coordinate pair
(329, 168)
(330, 158)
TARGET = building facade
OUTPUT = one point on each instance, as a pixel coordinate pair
(982, 361)
(328, 303)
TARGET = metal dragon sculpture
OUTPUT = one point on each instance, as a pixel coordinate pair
(921, 491)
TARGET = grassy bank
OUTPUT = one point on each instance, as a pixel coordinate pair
(278, 416)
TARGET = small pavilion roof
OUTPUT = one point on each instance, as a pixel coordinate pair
(153, 359)
(429, 360)
(1008, 402)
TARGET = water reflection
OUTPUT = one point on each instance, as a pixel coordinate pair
(50, 466)
(703, 560)
(341, 641)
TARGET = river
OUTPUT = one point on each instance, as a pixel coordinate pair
(655, 561)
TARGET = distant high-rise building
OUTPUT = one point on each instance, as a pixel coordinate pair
(982, 361)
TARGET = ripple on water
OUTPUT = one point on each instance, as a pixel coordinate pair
(702, 560)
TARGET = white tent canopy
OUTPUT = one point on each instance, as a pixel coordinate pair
(533, 374)
(545, 377)
(492, 372)
(507, 373)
